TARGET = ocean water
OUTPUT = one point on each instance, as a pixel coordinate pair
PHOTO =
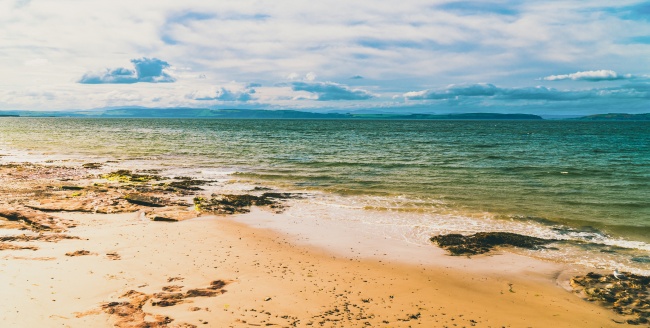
(586, 183)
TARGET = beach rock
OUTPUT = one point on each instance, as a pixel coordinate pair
(71, 188)
(78, 253)
(128, 176)
(172, 288)
(41, 237)
(163, 219)
(36, 220)
(171, 214)
(131, 314)
(280, 195)
(202, 292)
(92, 165)
(230, 204)
(483, 242)
(145, 200)
(218, 284)
(627, 295)
(10, 247)
(186, 184)
(88, 202)
(113, 256)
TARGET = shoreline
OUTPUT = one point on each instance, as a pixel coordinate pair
(269, 280)
(152, 262)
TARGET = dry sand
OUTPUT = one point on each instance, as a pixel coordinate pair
(220, 272)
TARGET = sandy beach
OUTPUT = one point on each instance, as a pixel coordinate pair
(128, 270)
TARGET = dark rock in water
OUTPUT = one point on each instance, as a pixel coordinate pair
(483, 242)
(163, 219)
(230, 204)
(92, 165)
(144, 200)
(628, 294)
(186, 184)
(71, 188)
(641, 259)
(128, 176)
(280, 195)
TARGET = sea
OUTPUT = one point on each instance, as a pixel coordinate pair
(585, 184)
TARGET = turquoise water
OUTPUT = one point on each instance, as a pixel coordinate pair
(580, 178)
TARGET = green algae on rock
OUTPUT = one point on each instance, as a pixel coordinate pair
(128, 176)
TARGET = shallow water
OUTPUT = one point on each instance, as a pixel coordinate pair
(586, 182)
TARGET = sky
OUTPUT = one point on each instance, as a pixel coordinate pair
(540, 57)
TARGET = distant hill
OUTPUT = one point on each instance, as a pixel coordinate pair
(616, 117)
(463, 116)
(142, 112)
(215, 113)
(294, 114)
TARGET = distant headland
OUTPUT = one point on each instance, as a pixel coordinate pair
(182, 112)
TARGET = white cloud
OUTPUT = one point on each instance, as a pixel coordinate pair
(593, 76)
(328, 91)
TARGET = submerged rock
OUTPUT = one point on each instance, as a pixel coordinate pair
(628, 294)
(483, 242)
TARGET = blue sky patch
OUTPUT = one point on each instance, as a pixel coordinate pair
(150, 70)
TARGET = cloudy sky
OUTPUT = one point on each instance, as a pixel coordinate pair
(544, 57)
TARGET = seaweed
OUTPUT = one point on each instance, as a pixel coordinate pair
(625, 293)
(483, 242)
(230, 204)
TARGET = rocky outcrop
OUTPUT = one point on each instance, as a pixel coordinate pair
(129, 176)
(36, 220)
(230, 204)
(483, 242)
(627, 294)
(130, 313)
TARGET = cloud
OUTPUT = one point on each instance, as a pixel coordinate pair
(638, 92)
(455, 91)
(223, 94)
(591, 76)
(326, 91)
(149, 70)
(490, 91)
